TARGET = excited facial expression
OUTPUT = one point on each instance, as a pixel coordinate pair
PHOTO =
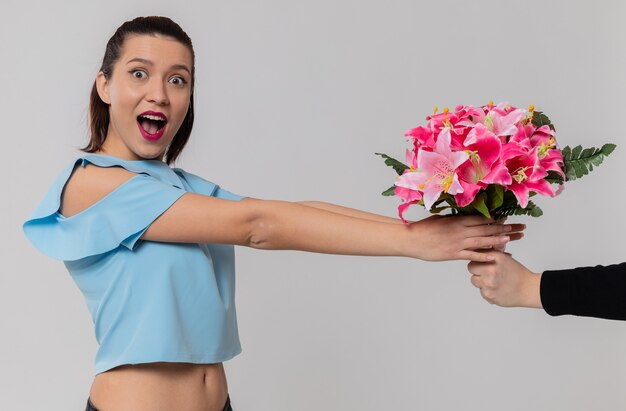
(148, 94)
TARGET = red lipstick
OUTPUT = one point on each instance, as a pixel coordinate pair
(152, 125)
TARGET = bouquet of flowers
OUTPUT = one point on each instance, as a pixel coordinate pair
(487, 160)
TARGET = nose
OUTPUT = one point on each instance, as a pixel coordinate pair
(157, 93)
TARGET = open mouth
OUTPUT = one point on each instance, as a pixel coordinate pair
(151, 124)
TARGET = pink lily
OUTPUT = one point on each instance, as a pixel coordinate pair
(411, 158)
(550, 156)
(502, 120)
(437, 172)
(446, 119)
(528, 176)
(484, 167)
(471, 116)
(421, 137)
(408, 196)
(403, 207)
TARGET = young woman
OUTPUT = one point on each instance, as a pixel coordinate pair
(151, 247)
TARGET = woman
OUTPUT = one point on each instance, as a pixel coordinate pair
(598, 291)
(151, 247)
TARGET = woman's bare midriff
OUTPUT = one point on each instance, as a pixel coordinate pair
(161, 386)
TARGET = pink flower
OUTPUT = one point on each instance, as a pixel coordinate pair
(407, 194)
(550, 156)
(484, 167)
(502, 119)
(528, 176)
(411, 158)
(471, 116)
(403, 207)
(446, 119)
(436, 172)
(421, 137)
(503, 146)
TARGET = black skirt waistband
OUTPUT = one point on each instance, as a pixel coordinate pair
(91, 407)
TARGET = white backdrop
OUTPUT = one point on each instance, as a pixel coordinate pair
(293, 99)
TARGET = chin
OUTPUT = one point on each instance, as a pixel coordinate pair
(148, 154)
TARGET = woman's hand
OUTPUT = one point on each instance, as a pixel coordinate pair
(439, 238)
(506, 282)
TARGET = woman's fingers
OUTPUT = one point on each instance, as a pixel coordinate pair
(474, 220)
(467, 237)
(512, 237)
(517, 227)
(497, 243)
(474, 243)
(494, 229)
(516, 236)
(476, 256)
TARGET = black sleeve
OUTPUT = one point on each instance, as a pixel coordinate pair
(598, 291)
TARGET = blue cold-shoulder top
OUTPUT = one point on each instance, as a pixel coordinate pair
(149, 301)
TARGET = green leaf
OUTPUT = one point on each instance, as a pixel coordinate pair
(390, 191)
(447, 198)
(587, 152)
(495, 196)
(579, 169)
(437, 210)
(554, 178)
(579, 162)
(467, 210)
(531, 209)
(596, 161)
(398, 166)
(567, 153)
(480, 206)
(540, 119)
(608, 148)
(442, 198)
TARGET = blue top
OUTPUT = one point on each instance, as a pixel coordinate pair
(149, 301)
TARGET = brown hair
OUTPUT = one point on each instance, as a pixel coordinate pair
(99, 110)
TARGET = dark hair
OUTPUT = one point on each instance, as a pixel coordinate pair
(99, 110)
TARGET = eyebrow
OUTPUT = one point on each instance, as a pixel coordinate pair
(149, 63)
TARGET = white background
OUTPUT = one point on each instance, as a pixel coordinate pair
(292, 100)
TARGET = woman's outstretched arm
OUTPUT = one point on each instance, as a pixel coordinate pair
(350, 212)
(281, 225)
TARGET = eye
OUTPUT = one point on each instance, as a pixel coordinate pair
(178, 81)
(138, 74)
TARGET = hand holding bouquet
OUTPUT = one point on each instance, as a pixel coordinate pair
(487, 160)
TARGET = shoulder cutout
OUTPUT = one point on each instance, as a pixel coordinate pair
(89, 184)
